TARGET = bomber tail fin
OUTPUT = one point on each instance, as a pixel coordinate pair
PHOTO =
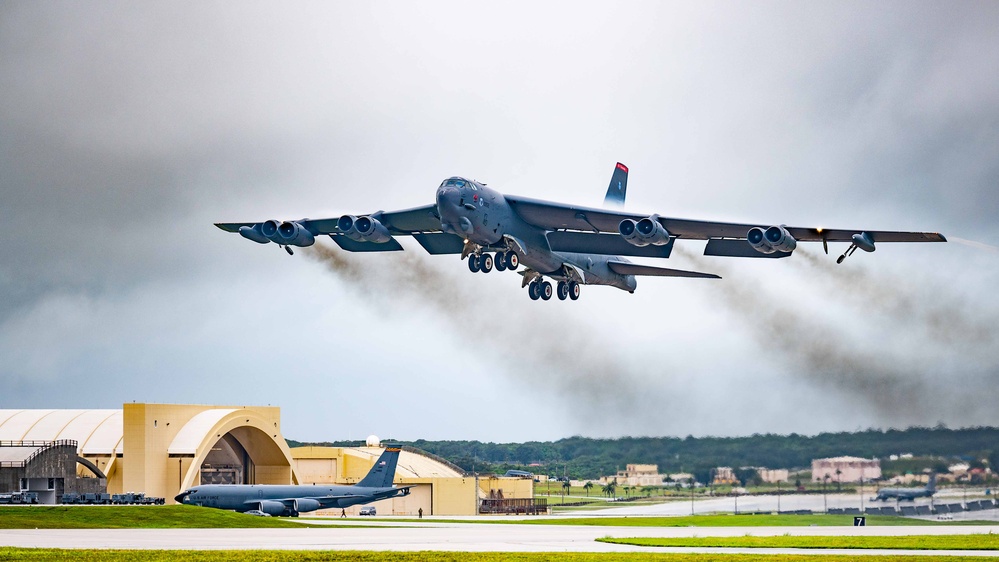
(931, 486)
(618, 186)
(383, 473)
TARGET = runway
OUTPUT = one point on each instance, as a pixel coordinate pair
(466, 537)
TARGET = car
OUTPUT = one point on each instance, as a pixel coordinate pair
(369, 510)
(257, 512)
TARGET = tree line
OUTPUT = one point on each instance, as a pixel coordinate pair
(584, 457)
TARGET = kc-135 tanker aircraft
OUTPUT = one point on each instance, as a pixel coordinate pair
(569, 244)
(290, 500)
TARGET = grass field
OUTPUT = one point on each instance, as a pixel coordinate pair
(130, 517)
(359, 556)
(943, 542)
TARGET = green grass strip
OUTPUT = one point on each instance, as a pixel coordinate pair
(909, 542)
(131, 517)
(428, 556)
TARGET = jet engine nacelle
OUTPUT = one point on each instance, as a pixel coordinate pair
(629, 231)
(371, 230)
(758, 240)
(291, 233)
(780, 239)
(651, 231)
(305, 505)
(363, 229)
(272, 508)
(287, 233)
(644, 232)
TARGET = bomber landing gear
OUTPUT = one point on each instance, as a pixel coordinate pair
(567, 289)
(540, 289)
(484, 262)
(534, 290)
(546, 290)
(509, 258)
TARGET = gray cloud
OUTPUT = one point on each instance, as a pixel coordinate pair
(127, 129)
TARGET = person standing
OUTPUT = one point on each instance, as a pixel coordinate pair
(421, 513)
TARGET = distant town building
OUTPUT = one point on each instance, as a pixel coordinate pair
(773, 475)
(724, 475)
(845, 469)
(636, 475)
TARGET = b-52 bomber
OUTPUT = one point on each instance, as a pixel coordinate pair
(568, 244)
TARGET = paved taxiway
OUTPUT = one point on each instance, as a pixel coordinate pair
(469, 537)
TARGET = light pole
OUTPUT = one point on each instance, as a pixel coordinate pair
(825, 502)
(691, 496)
(861, 489)
(778, 496)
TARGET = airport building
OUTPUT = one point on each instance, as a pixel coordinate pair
(845, 469)
(163, 449)
(636, 475)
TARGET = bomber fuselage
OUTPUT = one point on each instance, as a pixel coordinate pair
(483, 216)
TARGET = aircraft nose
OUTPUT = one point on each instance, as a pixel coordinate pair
(448, 199)
(179, 498)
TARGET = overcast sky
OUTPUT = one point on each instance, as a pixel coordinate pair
(127, 129)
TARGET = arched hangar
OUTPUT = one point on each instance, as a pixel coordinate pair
(161, 449)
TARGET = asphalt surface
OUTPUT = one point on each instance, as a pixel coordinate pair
(387, 534)
(468, 537)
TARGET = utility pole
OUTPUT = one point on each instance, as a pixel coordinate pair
(778, 496)
(825, 502)
(691, 496)
(861, 489)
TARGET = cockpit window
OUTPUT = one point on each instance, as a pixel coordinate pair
(457, 182)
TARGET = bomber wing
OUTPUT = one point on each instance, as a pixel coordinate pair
(558, 216)
(380, 238)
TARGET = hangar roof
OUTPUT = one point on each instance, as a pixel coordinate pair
(16, 454)
(194, 431)
(411, 465)
(97, 432)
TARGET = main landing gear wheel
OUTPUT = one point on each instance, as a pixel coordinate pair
(500, 261)
(512, 260)
(573, 290)
(534, 290)
(562, 290)
(473, 263)
(546, 290)
(486, 263)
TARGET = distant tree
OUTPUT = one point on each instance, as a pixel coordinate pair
(609, 488)
(565, 486)
(838, 472)
(587, 487)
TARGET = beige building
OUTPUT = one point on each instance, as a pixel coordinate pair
(773, 475)
(163, 449)
(845, 469)
(636, 475)
(438, 489)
